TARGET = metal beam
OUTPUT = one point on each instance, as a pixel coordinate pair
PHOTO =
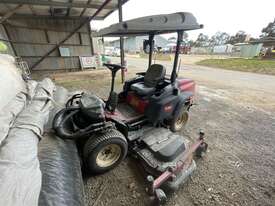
(122, 60)
(9, 38)
(55, 3)
(83, 11)
(91, 39)
(151, 49)
(27, 16)
(72, 33)
(10, 13)
(32, 10)
(69, 9)
(110, 12)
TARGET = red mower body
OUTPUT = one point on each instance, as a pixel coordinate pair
(140, 104)
(186, 85)
(136, 102)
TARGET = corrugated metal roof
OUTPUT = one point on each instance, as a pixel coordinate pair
(57, 8)
(264, 40)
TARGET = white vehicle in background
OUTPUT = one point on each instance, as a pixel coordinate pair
(108, 50)
(116, 52)
(112, 51)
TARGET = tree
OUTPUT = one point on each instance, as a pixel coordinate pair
(185, 36)
(3, 47)
(219, 38)
(202, 40)
(269, 30)
(239, 37)
(191, 43)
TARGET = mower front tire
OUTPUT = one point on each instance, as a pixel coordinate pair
(179, 120)
(104, 151)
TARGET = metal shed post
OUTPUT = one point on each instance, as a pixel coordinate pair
(122, 61)
(90, 38)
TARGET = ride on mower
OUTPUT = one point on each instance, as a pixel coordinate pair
(141, 120)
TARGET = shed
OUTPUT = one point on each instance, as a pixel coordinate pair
(247, 50)
(35, 30)
(223, 49)
(268, 45)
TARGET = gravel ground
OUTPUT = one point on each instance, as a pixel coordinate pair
(239, 122)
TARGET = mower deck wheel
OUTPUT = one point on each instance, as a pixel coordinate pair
(179, 120)
(104, 151)
(201, 150)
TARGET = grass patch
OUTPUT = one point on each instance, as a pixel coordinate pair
(246, 65)
(87, 84)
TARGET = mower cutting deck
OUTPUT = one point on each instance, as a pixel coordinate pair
(141, 120)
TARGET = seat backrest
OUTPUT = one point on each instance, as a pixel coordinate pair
(154, 74)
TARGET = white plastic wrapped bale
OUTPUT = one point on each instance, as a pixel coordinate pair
(11, 82)
(20, 179)
(12, 94)
(62, 183)
(24, 112)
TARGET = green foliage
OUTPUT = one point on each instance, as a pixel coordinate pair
(269, 30)
(3, 47)
(240, 37)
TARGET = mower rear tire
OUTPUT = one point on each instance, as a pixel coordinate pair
(179, 120)
(104, 151)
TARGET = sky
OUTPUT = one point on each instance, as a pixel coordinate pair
(216, 15)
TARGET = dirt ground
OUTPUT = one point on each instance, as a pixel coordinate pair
(237, 112)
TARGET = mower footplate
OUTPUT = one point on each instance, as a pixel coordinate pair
(163, 150)
(155, 167)
(165, 145)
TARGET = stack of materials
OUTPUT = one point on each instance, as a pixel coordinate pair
(36, 168)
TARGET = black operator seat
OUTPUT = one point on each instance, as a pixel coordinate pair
(154, 75)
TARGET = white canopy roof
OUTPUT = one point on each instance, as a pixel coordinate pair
(157, 24)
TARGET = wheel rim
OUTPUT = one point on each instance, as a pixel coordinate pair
(181, 121)
(108, 155)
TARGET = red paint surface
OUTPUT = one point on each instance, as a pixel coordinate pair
(186, 85)
(136, 102)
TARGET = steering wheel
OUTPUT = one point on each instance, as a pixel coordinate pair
(114, 67)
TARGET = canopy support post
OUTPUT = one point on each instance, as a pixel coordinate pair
(151, 42)
(122, 59)
(174, 72)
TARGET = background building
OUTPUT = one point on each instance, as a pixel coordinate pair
(135, 44)
(268, 47)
